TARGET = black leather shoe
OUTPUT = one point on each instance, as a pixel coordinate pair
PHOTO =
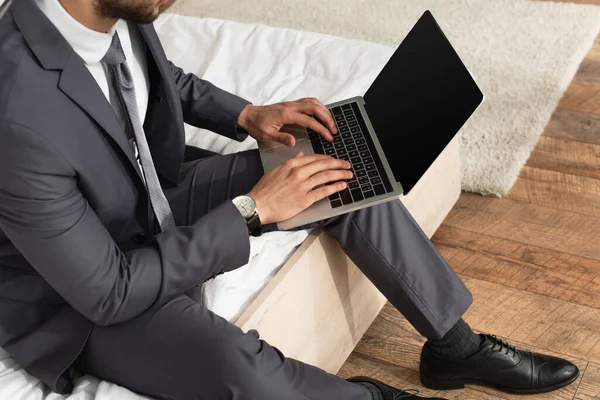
(381, 391)
(499, 365)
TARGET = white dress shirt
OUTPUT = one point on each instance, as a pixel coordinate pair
(91, 46)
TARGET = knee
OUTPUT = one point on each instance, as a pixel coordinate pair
(242, 368)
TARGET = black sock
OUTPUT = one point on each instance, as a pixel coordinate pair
(458, 343)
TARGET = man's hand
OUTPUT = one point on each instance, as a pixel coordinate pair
(264, 123)
(296, 184)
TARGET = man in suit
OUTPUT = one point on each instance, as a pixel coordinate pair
(107, 220)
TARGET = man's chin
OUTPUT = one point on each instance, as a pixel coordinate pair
(149, 20)
(138, 15)
(145, 19)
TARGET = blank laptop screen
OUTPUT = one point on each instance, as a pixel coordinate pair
(420, 100)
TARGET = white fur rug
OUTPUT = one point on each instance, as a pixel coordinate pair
(523, 54)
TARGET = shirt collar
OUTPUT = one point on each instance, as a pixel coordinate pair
(89, 44)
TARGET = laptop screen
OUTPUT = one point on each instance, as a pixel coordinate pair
(420, 100)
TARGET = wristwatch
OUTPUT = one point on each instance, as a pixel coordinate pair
(247, 207)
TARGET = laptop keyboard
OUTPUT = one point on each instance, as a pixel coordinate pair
(356, 147)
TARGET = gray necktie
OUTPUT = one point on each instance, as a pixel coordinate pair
(122, 81)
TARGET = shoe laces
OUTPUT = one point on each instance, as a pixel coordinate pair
(502, 346)
(405, 394)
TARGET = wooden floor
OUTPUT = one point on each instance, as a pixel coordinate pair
(532, 260)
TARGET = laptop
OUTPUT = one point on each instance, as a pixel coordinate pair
(391, 135)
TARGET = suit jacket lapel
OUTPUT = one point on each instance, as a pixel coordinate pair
(169, 155)
(77, 83)
(160, 60)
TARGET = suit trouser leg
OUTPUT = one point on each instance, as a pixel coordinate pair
(390, 248)
(181, 350)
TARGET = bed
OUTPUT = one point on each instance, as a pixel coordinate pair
(298, 290)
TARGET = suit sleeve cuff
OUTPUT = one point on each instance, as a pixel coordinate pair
(230, 216)
(240, 134)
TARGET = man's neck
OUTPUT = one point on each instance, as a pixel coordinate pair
(85, 13)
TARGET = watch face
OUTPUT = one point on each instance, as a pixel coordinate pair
(246, 205)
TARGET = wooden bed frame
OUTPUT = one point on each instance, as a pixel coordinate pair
(319, 305)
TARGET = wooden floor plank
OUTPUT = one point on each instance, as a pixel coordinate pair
(566, 156)
(533, 269)
(589, 388)
(564, 231)
(546, 323)
(392, 374)
(558, 190)
(581, 97)
(589, 70)
(403, 378)
(574, 125)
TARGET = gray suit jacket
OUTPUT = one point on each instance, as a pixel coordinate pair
(71, 197)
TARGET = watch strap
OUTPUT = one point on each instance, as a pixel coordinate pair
(254, 225)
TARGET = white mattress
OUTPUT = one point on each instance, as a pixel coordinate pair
(264, 65)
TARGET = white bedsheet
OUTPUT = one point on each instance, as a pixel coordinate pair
(264, 65)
